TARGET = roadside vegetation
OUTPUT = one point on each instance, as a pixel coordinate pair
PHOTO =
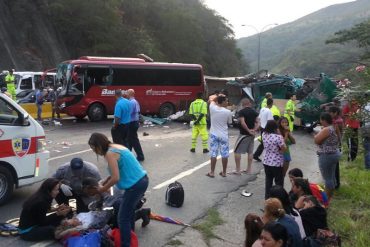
(349, 212)
(207, 226)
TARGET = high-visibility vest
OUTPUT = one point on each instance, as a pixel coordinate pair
(275, 111)
(198, 107)
(264, 103)
(290, 108)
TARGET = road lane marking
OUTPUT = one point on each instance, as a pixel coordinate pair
(43, 243)
(66, 155)
(185, 173)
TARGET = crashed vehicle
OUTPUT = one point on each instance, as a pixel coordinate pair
(309, 109)
(311, 92)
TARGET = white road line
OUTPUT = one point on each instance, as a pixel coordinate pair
(43, 243)
(185, 173)
(66, 155)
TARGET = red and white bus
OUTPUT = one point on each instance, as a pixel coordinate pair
(89, 83)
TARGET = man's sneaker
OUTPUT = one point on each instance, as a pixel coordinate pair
(192, 150)
(257, 159)
(205, 151)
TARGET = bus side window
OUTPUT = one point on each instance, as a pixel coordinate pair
(99, 76)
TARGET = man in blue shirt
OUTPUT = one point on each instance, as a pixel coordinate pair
(133, 140)
(122, 119)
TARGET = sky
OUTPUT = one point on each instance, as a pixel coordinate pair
(257, 15)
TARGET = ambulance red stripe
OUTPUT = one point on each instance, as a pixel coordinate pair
(6, 147)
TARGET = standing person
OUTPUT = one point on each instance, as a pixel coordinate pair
(366, 136)
(328, 152)
(290, 110)
(338, 124)
(39, 95)
(133, 140)
(53, 96)
(352, 124)
(220, 118)
(268, 95)
(127, 174)
(273, 159)
(248, 125)
(284, 131)
(122, 117)
(10, 83)
(198, 110)
(264, 116)
(71, 175)
(34, 224)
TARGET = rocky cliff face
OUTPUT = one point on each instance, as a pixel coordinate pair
(28, 41)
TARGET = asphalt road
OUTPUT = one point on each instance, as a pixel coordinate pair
(167, 158)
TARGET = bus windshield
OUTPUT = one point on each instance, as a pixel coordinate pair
(65, 77)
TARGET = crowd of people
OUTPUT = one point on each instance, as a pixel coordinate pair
(287, 218)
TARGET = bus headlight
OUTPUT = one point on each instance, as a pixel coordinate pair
(41, 144)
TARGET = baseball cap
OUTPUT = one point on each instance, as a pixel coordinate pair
(77, 163)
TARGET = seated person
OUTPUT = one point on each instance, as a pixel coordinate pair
(300, 187)
(274, 212)
(312, 213)
(71, 176)
(275, 235)
(316, 189)
(253, 227)
(280, 193)
(34, 224)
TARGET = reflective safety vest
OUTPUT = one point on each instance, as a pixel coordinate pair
(198, 107)
(275, 111)
(9, 79)
(290, 108)
(264, 103)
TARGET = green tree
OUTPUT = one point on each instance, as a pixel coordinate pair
(360, 34)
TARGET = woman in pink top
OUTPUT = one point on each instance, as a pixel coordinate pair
(273, 160)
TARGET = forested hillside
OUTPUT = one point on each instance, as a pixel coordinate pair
(299, 47)
(37, 34)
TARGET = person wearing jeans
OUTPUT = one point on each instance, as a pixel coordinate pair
(365, 130)
(127, 174)
(328, 152)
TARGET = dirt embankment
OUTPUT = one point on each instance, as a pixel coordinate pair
(28, 41)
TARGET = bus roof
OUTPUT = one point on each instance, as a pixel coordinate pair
(126, 61)
(115, 59)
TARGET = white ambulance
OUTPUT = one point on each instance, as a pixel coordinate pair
(23, 157)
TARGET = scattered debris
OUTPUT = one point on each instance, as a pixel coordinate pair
(155, 120)
(145, 134)
(176, 115)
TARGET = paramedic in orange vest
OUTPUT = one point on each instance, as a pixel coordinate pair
(198, 110)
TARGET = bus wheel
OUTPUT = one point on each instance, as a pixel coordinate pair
(96, 112)
(6, 184)
(166, 110)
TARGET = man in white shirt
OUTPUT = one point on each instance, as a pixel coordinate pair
(265, 115)
(219, 137)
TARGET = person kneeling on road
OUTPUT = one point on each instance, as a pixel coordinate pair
(34, 224)
(71, 176)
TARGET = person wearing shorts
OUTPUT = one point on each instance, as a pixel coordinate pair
(248, 125)
(219, 138)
